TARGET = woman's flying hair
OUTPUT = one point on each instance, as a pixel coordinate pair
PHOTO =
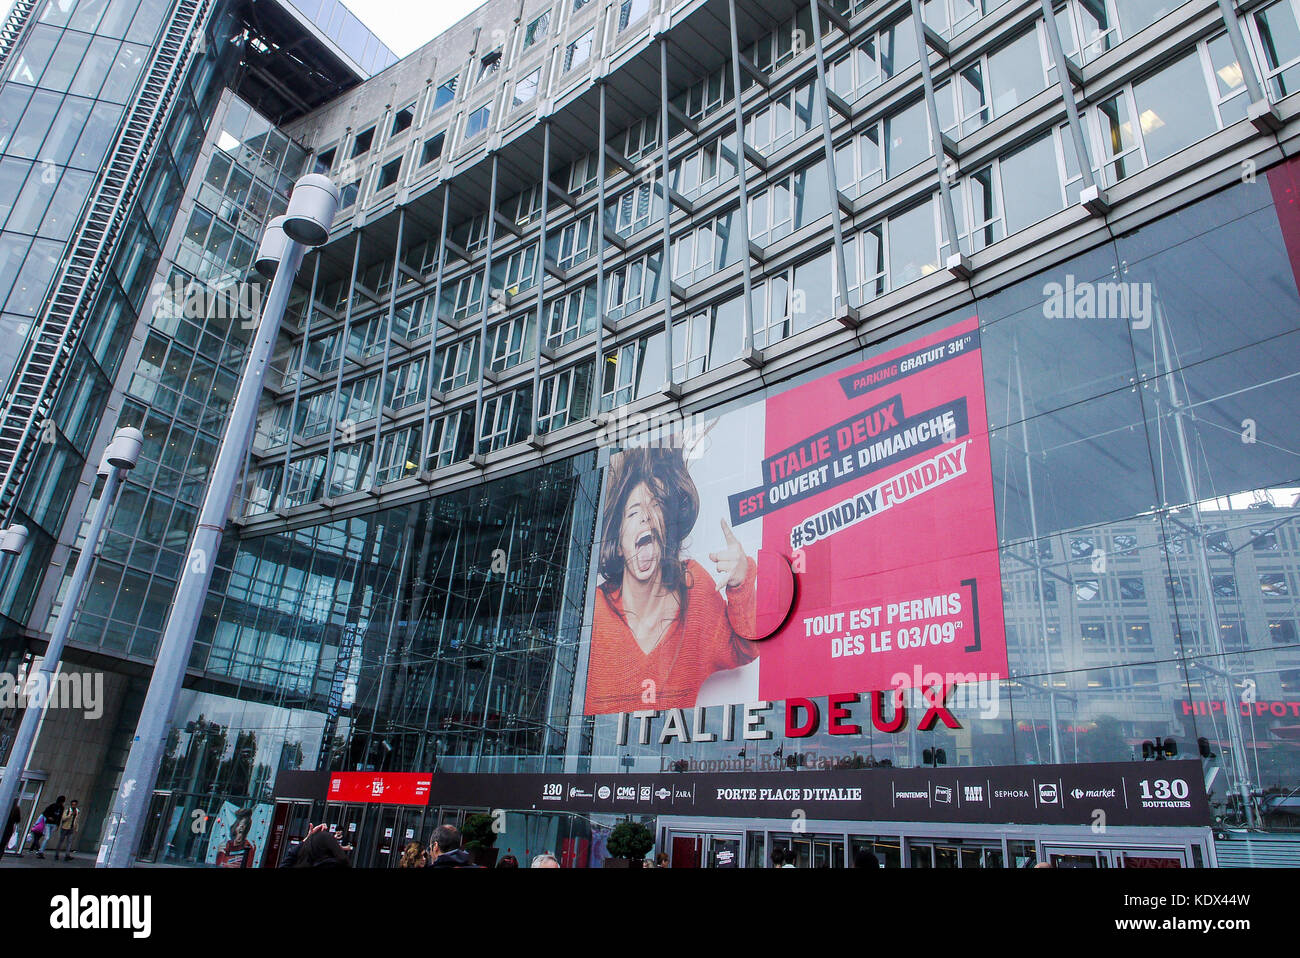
(664, 472)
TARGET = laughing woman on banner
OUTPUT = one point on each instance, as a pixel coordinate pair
(661, 626)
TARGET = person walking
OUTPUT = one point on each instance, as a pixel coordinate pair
(67, 829)
(49, 820)
(445, 850)
(11, 827)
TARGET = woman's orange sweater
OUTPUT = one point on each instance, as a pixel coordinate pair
(709, 635)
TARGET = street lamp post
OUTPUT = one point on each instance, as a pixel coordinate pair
(306, 223)
(119, 458)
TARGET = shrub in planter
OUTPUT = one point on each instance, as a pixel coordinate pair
(630, 841)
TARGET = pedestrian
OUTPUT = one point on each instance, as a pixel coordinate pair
(545, 860)
(778, 857)
(865, 857)
(67, 828)
(508, 862)
(11, 828)
(321, 849)
(413, 856)
(49, 820)
(661, 860)
(445, 850)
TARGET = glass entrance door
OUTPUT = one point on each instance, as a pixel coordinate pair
(705, 850)
(817, 851)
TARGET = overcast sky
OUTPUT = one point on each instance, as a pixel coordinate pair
(402, 24)
(406, 25)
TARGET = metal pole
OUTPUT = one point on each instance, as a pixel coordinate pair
(126, 821)
(1038, 569)
(35, 710)
(1231, 715)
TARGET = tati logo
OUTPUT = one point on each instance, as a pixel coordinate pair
(78, 912)
(972, 793)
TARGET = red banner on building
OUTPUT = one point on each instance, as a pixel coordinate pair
(873, 485)
(388, 788)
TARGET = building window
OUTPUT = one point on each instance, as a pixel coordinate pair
(630, 11)
(913, 245)
(406, 384)
(432, 148)
(578, 52)
(526, 88)
(489, 65)
(446, 93)
(537, 30)
(403, 119)
(525, 206)
(477, 121)
(638, 208)
(571, 315)
(574, 243)
(1034, 176)
(389, 174)
(399, 455)
(874, 60)
(457, 364)
(510, 342)
(506, 419)
(583, 173)
(518, 272)
(364, 141)
(348, 195)
(564, 398)
(451, 438)
(1278, 36)
(788, 117)
(579, 4)
(631, 287)
(325, 160)
(465, 297)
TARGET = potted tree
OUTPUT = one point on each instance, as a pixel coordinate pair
(628, 843)
(478, 839)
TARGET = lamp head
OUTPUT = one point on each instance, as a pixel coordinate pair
(312, 205)
(124, 450)
(272, 249)
(13, 540)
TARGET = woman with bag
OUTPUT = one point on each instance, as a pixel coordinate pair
(37, 834)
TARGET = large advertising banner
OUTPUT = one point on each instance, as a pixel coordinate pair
(873, 483)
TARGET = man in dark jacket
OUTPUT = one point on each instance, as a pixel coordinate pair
(445, 851)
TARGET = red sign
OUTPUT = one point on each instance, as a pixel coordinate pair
(872, 484)
(878, 482)
(380, 788)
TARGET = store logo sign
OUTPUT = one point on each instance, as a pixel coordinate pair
(1047, 794)
(972, 793)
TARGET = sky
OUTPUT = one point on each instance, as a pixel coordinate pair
(404, 25)
(407, 25)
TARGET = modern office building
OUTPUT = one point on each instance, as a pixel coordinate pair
(934, 364)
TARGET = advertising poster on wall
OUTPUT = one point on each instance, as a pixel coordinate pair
(872, 483)
(238, 835)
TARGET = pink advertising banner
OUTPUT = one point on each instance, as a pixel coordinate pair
(878, 481)
(873, 485)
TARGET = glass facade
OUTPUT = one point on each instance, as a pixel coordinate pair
(409, 584)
